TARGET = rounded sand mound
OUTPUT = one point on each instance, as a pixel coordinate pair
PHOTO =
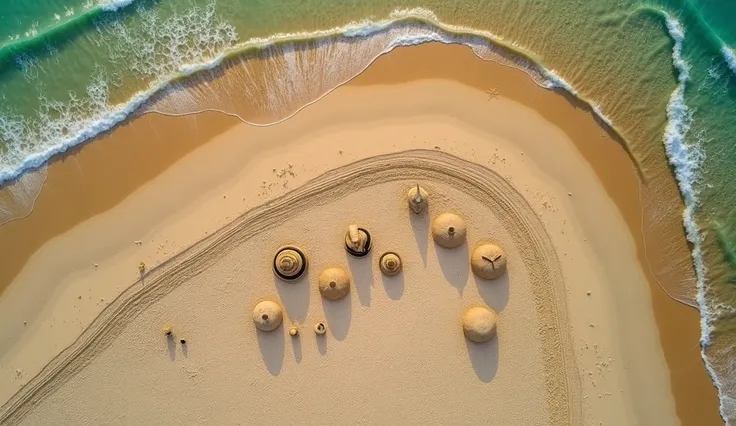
(479, 324)
(449, 230)
(267, 315)
(488, 261)
(334, 283)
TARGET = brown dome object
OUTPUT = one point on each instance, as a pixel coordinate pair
(417, 198)
(357, 241)
(488, 261)
(267, 315)
(290, 263)
(448, 230)
(334, 283)
(390, 263)
(479, 324)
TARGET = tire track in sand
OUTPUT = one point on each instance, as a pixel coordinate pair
(563, 388)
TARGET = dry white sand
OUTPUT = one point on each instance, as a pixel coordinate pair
(388, 352)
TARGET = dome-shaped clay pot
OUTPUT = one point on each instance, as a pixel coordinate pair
(479, 324)
(449, 230)
(267, 315)
(334, 283)
(488, 261)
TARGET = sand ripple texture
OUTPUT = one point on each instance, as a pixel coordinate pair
(563, 394)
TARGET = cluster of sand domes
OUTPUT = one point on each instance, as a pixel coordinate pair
(449, 231)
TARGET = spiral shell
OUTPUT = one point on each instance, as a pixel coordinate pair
(290, 263)
(390, 264)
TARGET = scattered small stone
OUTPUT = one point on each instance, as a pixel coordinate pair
(224, 196)
(142, 267)
(591, 325)
(293, 331)
(137, 242)
(102, 299)
(588, 292)
(96, 265)
(79, 297)
(569, 194)
(183, 341)
(339, 151)
(437, 147)
(25, 323)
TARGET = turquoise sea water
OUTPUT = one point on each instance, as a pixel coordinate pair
(663, 73)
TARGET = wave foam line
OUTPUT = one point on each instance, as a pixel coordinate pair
(111, 115)
(730, 57)
(686, 158)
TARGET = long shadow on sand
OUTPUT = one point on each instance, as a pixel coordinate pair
(455, 265)
(271, 344)
(420, 226)
(494, 292)
(484, 358)
(295, 296)
(393, 286)
(338, 314)
(361, 268)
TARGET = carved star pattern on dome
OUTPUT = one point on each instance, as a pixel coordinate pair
(492, 93)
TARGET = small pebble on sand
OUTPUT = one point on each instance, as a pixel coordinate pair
(570, 194)
(588, 292)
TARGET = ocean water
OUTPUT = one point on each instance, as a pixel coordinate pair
(661, 72)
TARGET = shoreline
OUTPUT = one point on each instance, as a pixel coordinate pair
(617, 186)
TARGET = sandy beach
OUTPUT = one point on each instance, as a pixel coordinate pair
(585, 332)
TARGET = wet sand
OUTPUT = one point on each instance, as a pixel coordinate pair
(94, 179)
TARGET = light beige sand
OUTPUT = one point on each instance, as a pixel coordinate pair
(619, 364)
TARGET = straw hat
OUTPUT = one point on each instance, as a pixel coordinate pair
(290, 263)
(334, 283)
(488, 261)
(267, 315)
(479, 324)
(417, 198)
(390, 263)
(448, 230)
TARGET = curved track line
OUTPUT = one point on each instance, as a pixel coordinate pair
(563, 388)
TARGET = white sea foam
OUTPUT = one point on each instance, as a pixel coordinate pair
(114, 5)
(686, 158)
(730, 57)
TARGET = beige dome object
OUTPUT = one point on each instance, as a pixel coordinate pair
(334, 283)
(479, 324)
(290, 263)
(293, 331)
(267, 315)
(417, 198)
(390, 263)
(448, 230)
(320, 328)
(488, 261)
